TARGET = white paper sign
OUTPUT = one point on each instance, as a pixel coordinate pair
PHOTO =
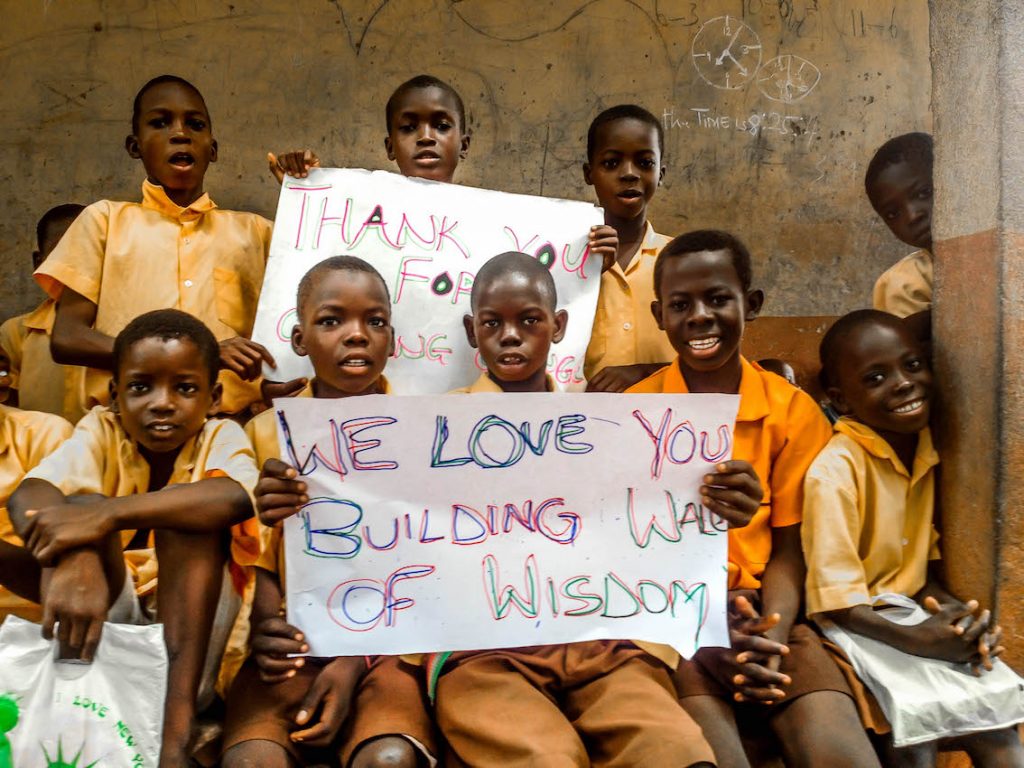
(428, 240)
(491, 521)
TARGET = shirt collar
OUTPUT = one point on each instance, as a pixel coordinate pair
(155, 198)
(41, 318)
(925, 458)
(753, 399)
(307, 391)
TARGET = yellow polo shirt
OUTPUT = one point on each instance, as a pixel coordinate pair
(100, 458)
(131, 258)
(42, 384)
(906, 287)
(26, 438)
(867, 519)
(624, 331)
(779, 430)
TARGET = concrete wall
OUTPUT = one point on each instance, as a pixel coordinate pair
(785, 174)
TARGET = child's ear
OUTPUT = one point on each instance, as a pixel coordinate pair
(835, 396)
(464, 145)
(656, 311)
(586, 174)
(216, 393)
(131, 145)
(297, 346)
(661, 175)
(467, 323)
(112, 389)
(755, 300)
(561, 323)
(213, 151)
(389, 148)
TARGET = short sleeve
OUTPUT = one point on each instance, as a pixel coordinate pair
(906, 287)
(807, 432)
(230, 454)
(829, 534)
(77, 261)
(12, 341)
(78, 465)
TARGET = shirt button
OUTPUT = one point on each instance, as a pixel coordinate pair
(627, 326)
(188, 283)
(187, 241)
(905, 542)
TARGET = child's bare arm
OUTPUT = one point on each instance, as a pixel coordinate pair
(75, 341)
(205, 506)
(296, 163)
(275, 642)
(782, 583)
(31, 494)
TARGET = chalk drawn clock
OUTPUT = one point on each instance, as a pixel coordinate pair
(788, 78)
(726, 53)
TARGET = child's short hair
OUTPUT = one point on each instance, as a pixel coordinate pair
(512, 262)
(706, 240)
(64, 213)
(914, 148)
(167, 324)
(160, 80)
(421, 82)
(623, 112)
(830, 352)
(334, 263)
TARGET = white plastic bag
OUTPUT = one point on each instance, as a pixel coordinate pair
(927, 699)
(108, 713)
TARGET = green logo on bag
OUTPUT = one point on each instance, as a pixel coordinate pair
(59, 762)
(8, 719)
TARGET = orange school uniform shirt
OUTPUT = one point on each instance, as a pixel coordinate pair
(26, 438)
(624, 331)
(131, 258)
(779, 430)
(42, 384)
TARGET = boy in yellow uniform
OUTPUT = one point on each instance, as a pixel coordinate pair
(152, 467)
(898, 183)
(776, 668)
(286, 710)
(174, 249)
(26, 438)
(598, 703)
(42, 384)
(868, 524)
(624, 165)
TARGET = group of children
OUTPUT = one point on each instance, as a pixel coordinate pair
(143, 343)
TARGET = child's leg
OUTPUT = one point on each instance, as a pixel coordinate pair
(994, 749)
(258, 753)
(717, 720)
(191, 573)
(498, 708)
(822, 728)
(918, 756)
(389, 724)
(623, 704)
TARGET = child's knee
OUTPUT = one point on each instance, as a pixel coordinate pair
(257, 753)
(387, 752)
(985, 744)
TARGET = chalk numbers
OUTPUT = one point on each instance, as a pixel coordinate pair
(726, 53)
(788, 78)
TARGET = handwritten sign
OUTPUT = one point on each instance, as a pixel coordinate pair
(428, 240)
(489, 521)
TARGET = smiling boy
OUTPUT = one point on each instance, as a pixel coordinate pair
(286, 709)
(151, 470)
(868, 524)
(174, 249)
(898, 183)
(776, 667)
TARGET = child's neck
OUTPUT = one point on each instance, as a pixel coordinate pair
(183, 198)
(161, 467)
(631, 236)
(323, 390)
(536, 383)
(904, 444)
(724, 380)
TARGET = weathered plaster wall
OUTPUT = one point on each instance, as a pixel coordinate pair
(277, 74)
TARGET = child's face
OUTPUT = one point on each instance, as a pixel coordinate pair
(513, 326)
(163, 393)
(703, 308)
(346, 332)
(425, 137)
(902, 195)
(5, 376)
(884, 380)
(626, 167)
(174, 140)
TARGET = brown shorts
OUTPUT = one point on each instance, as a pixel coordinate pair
(808, 665)
(389, 701)
(603, 703)
(871, 714)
